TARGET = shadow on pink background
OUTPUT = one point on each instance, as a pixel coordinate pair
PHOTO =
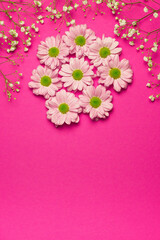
(91, 181)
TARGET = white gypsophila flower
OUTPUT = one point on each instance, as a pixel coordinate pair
(155, 44)
(42, 21)
(70, 8)
(12, 49)
(148, 85)
(54, 11)
(158, 76)
(122, 22)
(72, 21)
(13, 33)
(21, 23)
(99, 1)
(131, 32)
(145, 9)
(68, 24)
(76, 5)
(152, 98)
(22, 29)
(36, 29)
(38, 3)
(85, 2)
(145, 59)
(58, 15)
(145, 40)
(40, 17)
(150, 64)
(26, 49)
(154, 49)
(49, 9)
(134, 23)
(141, 46)
(65, 8)
(1, 35)
(155, 15)
(14, 43)
(131, 43)
(33, 25)
(2, 23)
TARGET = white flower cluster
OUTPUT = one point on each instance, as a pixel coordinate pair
(155, 47)
(113, 5)
(38, 3)
(13, 33)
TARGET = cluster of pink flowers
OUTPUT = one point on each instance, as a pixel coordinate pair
(69, 63)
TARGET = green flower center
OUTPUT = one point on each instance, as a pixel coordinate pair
(63, 108)
(53, 52)
(46, 81)
(80, 40)
(104, 52)
(95, 102)
(115, 73)
(77, 74)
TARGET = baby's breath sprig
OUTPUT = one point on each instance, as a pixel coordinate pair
(16, 34)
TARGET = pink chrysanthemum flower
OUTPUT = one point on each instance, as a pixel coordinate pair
(45, 81)
(78, 39)
(102, 49)
(96, 102)
(118, 73)
(63, 108)
(52, 52)
(77, 75)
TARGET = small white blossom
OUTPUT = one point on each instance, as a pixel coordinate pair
(158, 76)
(76, 5)
(22, 29)
(36, 29)
(70, 8)
(13, 33)
(155, 14)
(26, 49)
(148, 85)
(131, 43)
(145, 9)
(38, 3)
(72, 21)
(85, 2)
(134, 23)
(21, 23)
(99, 1)
(152, 98)
(145, 59)
(141, 46)
(122, 22)
(54, 11)
(65, 8)
(2, 23)
(49, 9)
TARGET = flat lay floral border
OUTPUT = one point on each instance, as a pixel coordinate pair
(17, 33)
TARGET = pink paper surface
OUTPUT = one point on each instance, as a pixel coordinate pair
(91, 181)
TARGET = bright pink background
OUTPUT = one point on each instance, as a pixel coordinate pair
(95, 180)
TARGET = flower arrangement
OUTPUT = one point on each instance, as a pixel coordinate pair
(73, 63)
(17, 33)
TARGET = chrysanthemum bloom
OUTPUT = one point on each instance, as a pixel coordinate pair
(45, 81)
(52, 52)
(78, 39)
(96, 102)
(77, 75)
(102, 49)
(63, 108)
(118, 73)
